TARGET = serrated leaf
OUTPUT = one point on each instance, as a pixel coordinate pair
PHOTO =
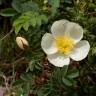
(26, 26)
(8, 12)
(73, 74)
(28, 19)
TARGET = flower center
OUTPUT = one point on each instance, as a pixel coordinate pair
(64, 44)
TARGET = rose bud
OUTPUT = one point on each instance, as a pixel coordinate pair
(22, 42)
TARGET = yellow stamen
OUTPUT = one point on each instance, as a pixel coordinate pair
(64, 44)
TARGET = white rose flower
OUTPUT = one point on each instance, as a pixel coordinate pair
(65, 43)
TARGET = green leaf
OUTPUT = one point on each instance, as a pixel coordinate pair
(8, 12)
(57, 74)
(26, 26)
(64, 70)
(26, 89)
(19, 91)
(33, 22)
(18, 28)
(26, 77)
(55, 4)
(38, 19)
(18, 82)
(16, 5)
(73, 73)
(29, 6)
(67, 81)
(31, 65)
(44, 18)
(21, 6)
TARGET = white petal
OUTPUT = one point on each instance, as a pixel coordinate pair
(48, 44)
(75, 31)
(58, 60)
(58, 27)
(80, 51)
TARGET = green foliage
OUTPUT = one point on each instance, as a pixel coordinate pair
(55, 4)
(58, 81)
(67, 77)
(73, 74)
(22, 6)
(28, 19)
(28, 72)
(24, 84)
